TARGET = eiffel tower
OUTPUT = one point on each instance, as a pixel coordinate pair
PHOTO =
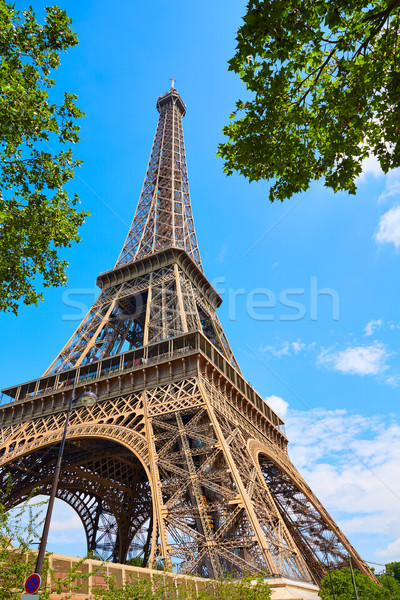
(180, 462)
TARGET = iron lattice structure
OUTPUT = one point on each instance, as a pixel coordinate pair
(180, 462)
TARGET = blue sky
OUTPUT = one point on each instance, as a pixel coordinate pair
(334, 373)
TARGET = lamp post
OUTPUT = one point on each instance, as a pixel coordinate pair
(88, 398)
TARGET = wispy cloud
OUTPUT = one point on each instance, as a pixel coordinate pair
(393, 380)
(220, 259)
(389, 227)
(64, 523)
(392, 185)
(286, 349)
(356, 360)
(372, 326)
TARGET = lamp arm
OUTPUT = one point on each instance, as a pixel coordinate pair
(46, 527)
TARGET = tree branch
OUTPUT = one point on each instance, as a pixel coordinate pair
(321, 68)
(382, 15)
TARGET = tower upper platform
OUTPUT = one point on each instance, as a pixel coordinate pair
(171, 97)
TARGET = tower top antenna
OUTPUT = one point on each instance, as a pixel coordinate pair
(172, 80)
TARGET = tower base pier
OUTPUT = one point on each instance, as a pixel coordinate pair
(288, 589)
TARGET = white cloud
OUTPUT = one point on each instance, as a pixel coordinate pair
(392, 550)
(389, 227)
(287, 348)
(66, 523)
(277, 351)
(392, 185)
(370, 166)
(220, 259)
(298, 347)
(372, 326)
(393, 380)
(278, 404)
(352, 464)
(357, 360)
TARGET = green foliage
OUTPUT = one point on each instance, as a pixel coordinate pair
(37, 217)
(165, 588)
(18, 531)
(391, 584)
(394, 569)
(342, 584)
(324, 79)
(16, 559)
(136, 589)
(136, 561)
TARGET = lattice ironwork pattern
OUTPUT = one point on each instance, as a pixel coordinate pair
(164, 214)
(180, 462)
(173, 476)
(143, 310)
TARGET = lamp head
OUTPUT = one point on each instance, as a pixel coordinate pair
(88, 398)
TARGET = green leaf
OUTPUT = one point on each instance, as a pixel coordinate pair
(37, 215)
(322, 83)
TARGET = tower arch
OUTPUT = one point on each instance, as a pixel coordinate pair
(314, 531)
(106, 482)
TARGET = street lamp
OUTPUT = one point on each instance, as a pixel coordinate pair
(88, 398)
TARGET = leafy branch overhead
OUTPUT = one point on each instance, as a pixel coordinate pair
(37, 217)
(324, 83)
